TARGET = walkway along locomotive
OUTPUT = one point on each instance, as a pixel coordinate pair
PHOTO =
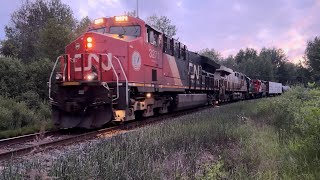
(122, 67)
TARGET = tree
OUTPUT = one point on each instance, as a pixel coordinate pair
(229, 62)
(278, 60)
(265, 68)
(52, 40)
(13, 77)
(303, 75)
(82, 26)
(312, 54)
(37, 75)
(11, 46)
(162, 23)
(212, 54)
(131, 13)
(244, 55)
(246, 61)
(277, 55)
(39, 23)
(287, 73)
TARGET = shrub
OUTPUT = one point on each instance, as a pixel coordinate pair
(13, 77)
(296, 117)
(16, 118)
(37, 76)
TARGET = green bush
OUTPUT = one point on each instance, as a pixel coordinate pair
(296, 117)
(37, 76)
(16, 118)
(18, 78)
(23, 91)
(13, 77)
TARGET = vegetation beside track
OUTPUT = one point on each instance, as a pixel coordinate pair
(17, 119)
(261, 139)
(23, 91)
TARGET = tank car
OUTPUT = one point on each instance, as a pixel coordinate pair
(122, 68)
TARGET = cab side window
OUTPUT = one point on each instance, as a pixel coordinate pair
(153, 37)
(174, 47)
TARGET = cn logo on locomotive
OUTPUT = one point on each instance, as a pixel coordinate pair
(91, 57)
(194, 70)
(136, 61)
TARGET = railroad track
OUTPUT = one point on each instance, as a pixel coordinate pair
(24, 148)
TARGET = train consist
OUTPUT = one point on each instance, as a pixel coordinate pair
(122, 68)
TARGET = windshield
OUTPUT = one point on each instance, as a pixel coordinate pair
(100, 30)
(125, 30)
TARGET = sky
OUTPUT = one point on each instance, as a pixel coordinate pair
(225, 25)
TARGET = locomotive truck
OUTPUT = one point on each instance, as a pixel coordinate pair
(122, 68)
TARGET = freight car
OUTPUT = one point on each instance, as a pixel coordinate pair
(122, 68)
(273, 88)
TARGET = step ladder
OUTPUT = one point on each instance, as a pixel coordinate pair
(117, 95)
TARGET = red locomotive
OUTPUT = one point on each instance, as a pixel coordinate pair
(258, 88)
(122, 68)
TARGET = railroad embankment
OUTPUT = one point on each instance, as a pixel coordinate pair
(260, 139)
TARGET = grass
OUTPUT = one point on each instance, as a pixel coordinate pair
(18, 118)
(275, 138)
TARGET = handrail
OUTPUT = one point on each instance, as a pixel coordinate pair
(109, 56)
(118, 93)
(54, 67)
(125, 76)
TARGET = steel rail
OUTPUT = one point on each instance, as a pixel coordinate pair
(85, 136)
(25, 138)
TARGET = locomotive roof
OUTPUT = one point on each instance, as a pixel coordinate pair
(225, 69)
(154, 28)
(208, 61)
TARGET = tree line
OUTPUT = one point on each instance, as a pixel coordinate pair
(272, 64)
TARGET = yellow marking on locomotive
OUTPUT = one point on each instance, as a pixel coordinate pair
(70, 83)
(160, 86)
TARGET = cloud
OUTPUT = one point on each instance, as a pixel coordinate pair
(238, 7)
(226, 26)
(285, 26)
(179, 3)
(97, 8)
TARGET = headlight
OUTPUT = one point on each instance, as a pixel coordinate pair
(59, 77)
(92, 76)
